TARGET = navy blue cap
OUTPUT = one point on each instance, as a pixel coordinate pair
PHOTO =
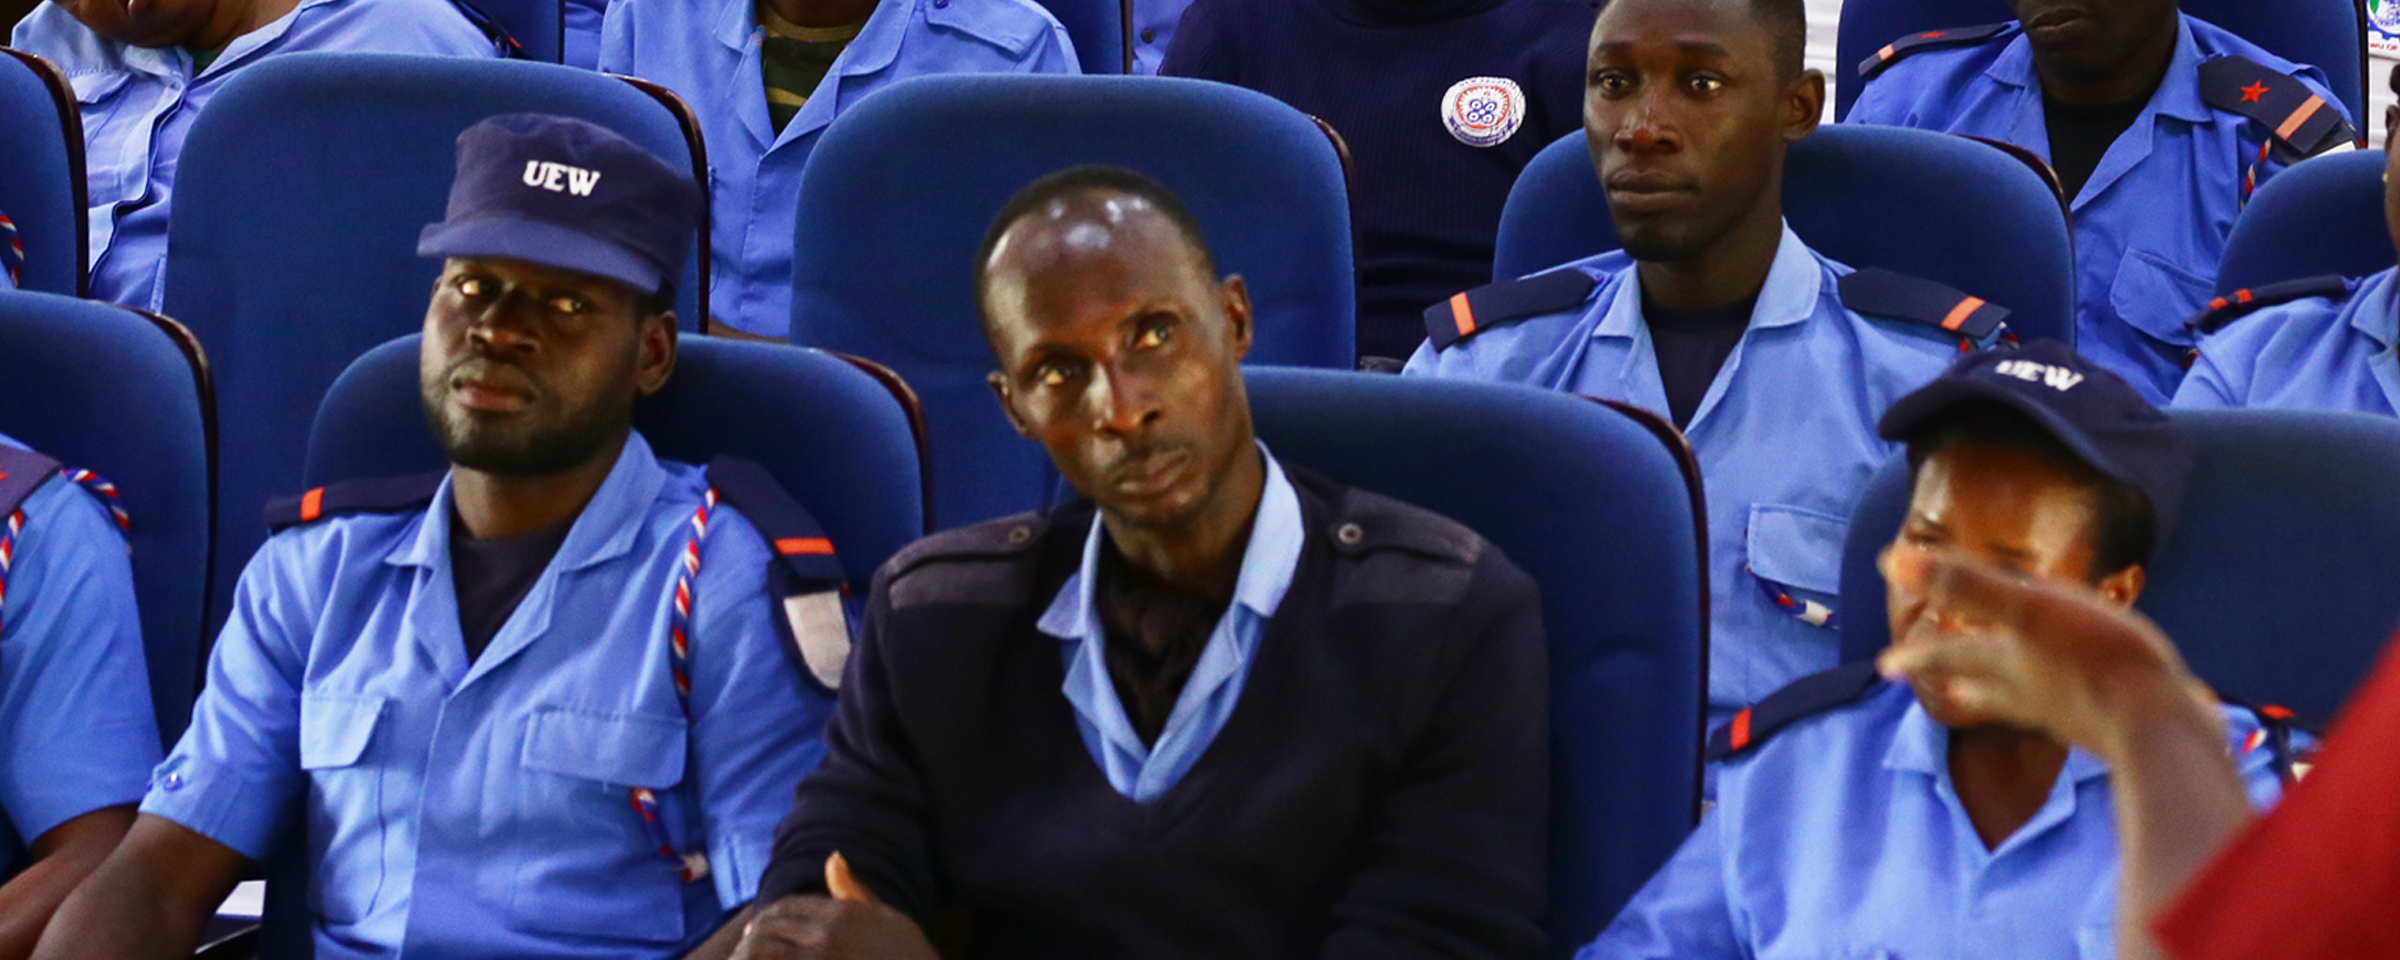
(566, 193)
(2099, 416)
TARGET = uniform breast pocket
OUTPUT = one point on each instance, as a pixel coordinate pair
(583, 861)
(1795, 554)
(345, 810)
(2157, 297)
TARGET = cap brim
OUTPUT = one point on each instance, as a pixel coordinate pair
(1914, 413)
(533, 241)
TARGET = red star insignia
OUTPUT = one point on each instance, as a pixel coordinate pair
(2255, 90)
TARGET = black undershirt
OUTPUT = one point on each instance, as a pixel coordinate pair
(1691, 346)
(492, 576)
(1155, 635)
(2080, 136)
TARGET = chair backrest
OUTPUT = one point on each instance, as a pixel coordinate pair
(1866, 196)
(293, 250)
(2328, 34)
(2276, 582)
(1097, 28)
(126, 395)
(890, 218)
(2323, 216)
(41, 173)
(1601, 507)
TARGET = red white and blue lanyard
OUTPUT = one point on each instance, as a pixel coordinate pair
(1806, 611)
(679, 619)
(98, 485)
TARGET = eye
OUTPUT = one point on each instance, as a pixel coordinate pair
(1052, 374)
(570, 304)
(472, 287)
(1154, 336)
(1707, 85)
(1611, 81)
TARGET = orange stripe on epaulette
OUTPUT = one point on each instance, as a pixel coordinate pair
(1462, 314)
(1959, 314)
(804, 546)
(2291, 125)
(2273, 712)
(1738, 736)
(312, 505)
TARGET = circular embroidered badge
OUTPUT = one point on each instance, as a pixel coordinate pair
(1484, 111)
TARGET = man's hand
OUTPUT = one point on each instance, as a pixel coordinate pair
(2042, 656)
(850, 925)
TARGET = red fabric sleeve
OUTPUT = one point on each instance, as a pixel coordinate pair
(2320, 876)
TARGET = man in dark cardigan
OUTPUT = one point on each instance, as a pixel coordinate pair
(1219, 707)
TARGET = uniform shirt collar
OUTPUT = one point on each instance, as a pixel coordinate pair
(1793, 284)
(2373, 310)
(2178, 95)
(1923, 746)
(604, 530)
(1268, 562)
(876, 46)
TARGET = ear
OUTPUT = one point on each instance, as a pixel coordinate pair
(1234, 295)
(2123, 587)
(1806, 99)
(1007, 396)
(657, 359)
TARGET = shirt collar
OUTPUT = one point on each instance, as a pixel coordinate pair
(1268, 562)
(2178, 96)
(2373, 310)
(603, 531)
(876, 46)
(1923, 746)
(1793, 284)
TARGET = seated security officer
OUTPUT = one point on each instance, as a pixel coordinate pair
(534, 706)
(1222, 708)
(1861, 818)
(767, 76)
(2159, 126)
(1772, 359)
(143, 71)
(77, 731)
(2317, 344)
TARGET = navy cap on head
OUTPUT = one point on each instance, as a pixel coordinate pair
(2096, 414)
(566, 193)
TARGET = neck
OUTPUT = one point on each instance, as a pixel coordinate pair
(232, 19)
(1202, 558)
(822, 13)
(1733, 269)
(2136, 79)
(494, 507)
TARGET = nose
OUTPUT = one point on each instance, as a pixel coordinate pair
(503, 324)
(1644, 126)
(1122, 404)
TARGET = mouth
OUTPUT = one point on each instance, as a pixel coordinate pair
(2059, 24)
(1648, 191)
(490, 391)
(1150, 474)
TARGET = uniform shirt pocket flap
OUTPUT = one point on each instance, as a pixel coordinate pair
(336, 727)
(1797, 547)
(631, 751)
(2157, 297)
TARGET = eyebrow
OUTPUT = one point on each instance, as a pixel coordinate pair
(1699, 47)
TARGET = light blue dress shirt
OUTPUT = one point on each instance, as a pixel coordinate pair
(77, 729)
(708, 51)
(138, 105)
(1154, 24)
(481, 809)
(1785, 437)
(1843, 837)
(579, 34)
(1144, 772)
(2150, 225)
(2315, 354)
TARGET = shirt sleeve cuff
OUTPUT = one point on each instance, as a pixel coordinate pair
(216, 803)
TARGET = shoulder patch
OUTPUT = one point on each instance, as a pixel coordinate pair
(1484, 307)
(2241, 303)
(2292, 112)
(1897, 296)
(21, 473)
(395, 495)
(1804, 698)
(1927, 40)
(806, 580)
(1370, 521)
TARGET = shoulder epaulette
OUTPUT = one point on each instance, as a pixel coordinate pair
(2274, 735)
(1372, 521)
(2289, 110)
(2242, 303)
(393, 495)
(1805, 697)
(1927, 40)
(1897, 296)
(991, 539)
(21, 473)
(1484, 307)
(806, 581)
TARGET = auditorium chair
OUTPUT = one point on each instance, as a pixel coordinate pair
(1864, 196)
(1601, 505)
(2321, 217)
(2275, 582)
(1097, 29)
(41, 173)
(294, 246)
(896, 199)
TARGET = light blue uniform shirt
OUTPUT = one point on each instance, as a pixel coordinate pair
(1843, 837)
(77, 729)
(1143, 772)
(483, 809)
(580, 33)
(2150, 224)
(1785, 437)
(709, 53)
(1154, 24)
(138, 105)
(2313, 354)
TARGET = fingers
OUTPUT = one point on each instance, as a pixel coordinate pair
(844, 885)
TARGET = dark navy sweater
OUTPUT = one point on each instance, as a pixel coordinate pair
(1426, 205)
(1381, 789)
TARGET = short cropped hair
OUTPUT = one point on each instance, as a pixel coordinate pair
(1787, 25)
(656, 301)
(2124, 527)
(1083, 179)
